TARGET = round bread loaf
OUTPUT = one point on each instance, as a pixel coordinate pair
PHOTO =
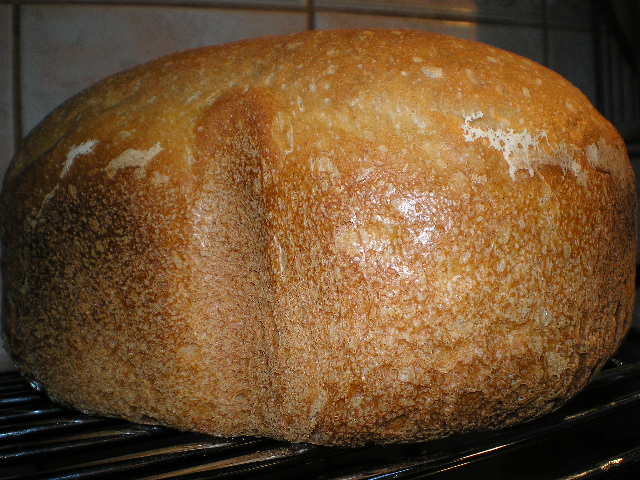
(335, 237)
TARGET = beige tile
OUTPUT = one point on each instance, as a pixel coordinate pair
(569, 13)
(526, 41)
(571, 54)
(68, 47)
(325, 20)
(6, 117)
(521, 11)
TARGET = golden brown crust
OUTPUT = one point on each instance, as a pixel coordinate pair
(335, 237)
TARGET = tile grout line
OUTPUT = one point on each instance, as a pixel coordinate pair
(17, 77)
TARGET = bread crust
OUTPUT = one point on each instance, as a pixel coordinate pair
(334, 237)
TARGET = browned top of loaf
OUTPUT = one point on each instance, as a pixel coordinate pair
(422, 234)
(338, 79)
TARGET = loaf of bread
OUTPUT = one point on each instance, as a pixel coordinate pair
(336, 237)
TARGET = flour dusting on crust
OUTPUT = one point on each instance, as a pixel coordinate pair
(76, 151)
(607, 158)
(514, 146)
(132, 158)
(522, 150)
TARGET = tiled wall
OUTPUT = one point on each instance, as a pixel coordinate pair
(51, 50)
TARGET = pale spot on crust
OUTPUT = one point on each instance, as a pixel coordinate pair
(293, 45)
(76, 151)
(492, 59)
(417, 59)
(188, 352)
(471, 75)
(189, 157)
(330, 70)
(290, 141)
(124, 134)
(479, 179)
(406, 374)
(406, 206)
(522, 150)
(364, 174)
(347, 241)
(556, 363)
(45, 200)
(193, 97)
(318, 403)
(420, 122)
(132, 158)
(593, 156)
(324, 165)
(159, 179)
(606, 158)
(268, 79)
(281, 257)
(546, 318)
(525, 92)
(510, 143)
(432, 72)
